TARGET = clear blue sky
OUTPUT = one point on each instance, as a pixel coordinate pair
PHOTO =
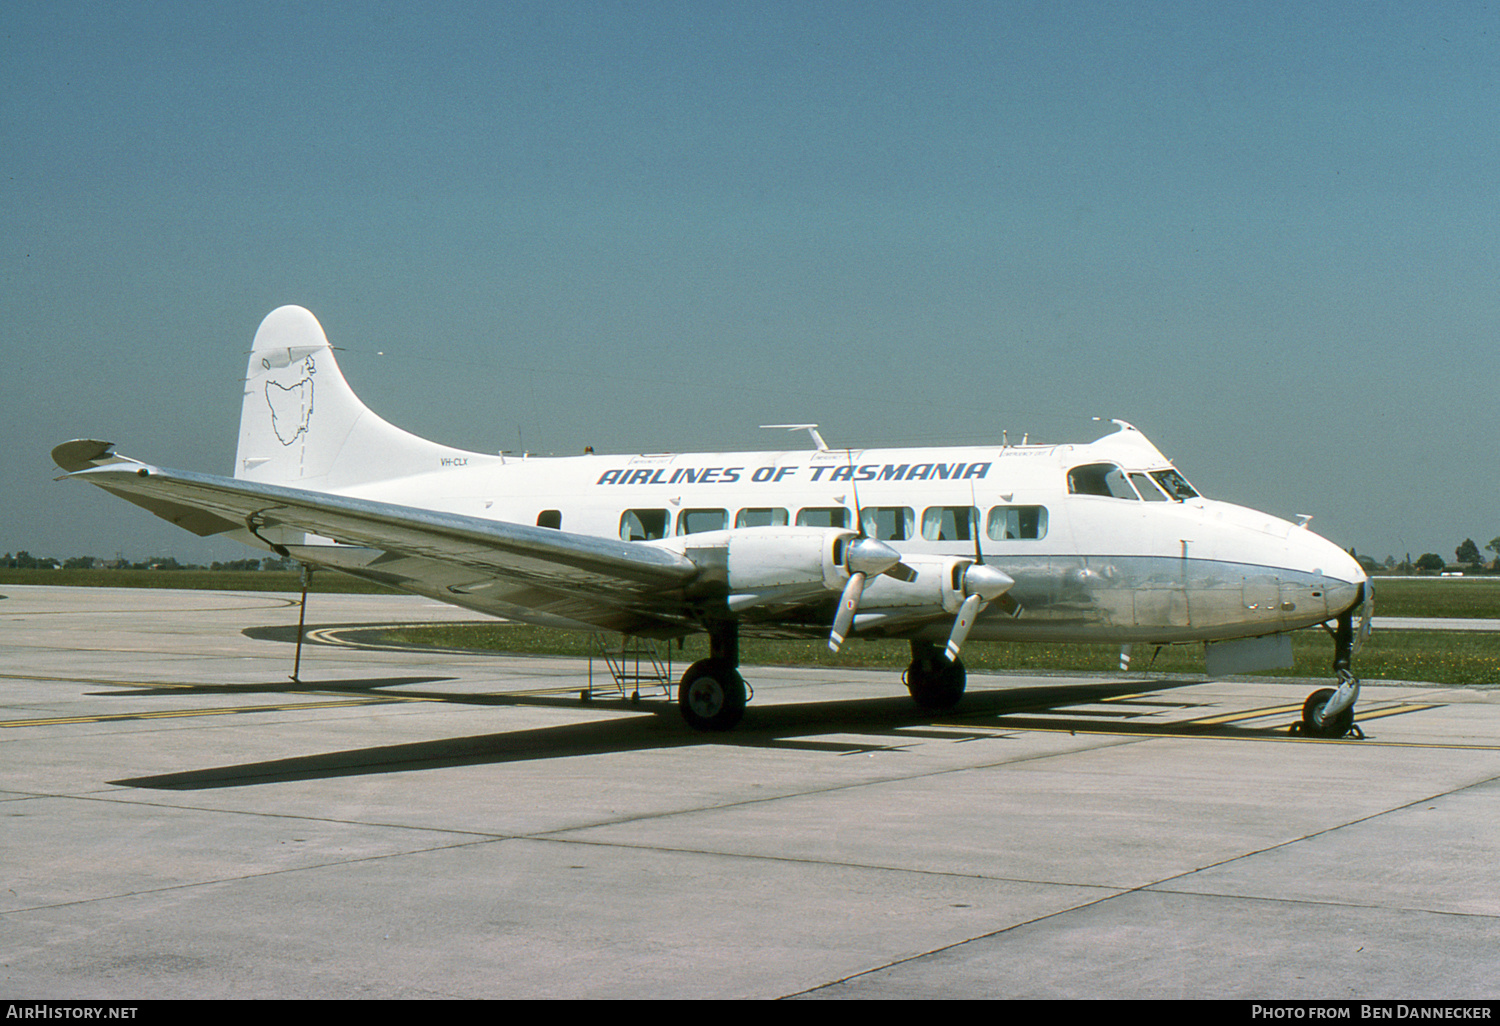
(1268, 234)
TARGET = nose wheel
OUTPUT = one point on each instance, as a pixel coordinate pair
(1329, 712)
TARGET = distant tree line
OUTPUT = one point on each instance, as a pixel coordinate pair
(24, 560)
(1467, 558)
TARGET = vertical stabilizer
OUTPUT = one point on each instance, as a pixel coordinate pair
(302, 425)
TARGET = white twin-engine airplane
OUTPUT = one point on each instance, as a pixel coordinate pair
(1104, 542)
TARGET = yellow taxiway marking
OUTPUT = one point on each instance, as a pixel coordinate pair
(1282, 710)
(1012, 723)
(168, 714)
(101, 681)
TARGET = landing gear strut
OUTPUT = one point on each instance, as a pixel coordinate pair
(1329, 712)
(934, 681)
(712, 693)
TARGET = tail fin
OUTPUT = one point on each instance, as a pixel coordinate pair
(301, 424)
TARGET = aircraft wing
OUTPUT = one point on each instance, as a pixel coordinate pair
(571, 579)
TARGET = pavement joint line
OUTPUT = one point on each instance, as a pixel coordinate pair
(1156, 886)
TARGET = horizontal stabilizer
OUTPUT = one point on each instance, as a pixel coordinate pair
(82, 453)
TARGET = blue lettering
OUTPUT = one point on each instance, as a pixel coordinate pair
(784, 471)
(609, 477)
(818, 472)
(893, 473)
(943, 471)
(921, 472)
(638, 477)
(866, 474)
(841, 474)
(976, 470)
(732, 474)
(763, 474)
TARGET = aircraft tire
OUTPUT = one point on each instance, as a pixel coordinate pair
(1337, 727)
(712, 695)
(934, 682)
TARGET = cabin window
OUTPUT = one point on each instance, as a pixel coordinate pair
(949, 523)
(762, 517)
(696, 521)
(889, 523)
(1007, 523)
(643, 524)
(823, 516)
(550, 518)
(1175, 485)
(1147, 487)
(1100, 479)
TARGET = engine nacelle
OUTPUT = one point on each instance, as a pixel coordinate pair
(770, 565)
(937, 587)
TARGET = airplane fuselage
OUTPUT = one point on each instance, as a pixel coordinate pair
(1135, 558)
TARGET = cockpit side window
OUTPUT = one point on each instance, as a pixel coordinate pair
(1174, 484)
(1100, 479)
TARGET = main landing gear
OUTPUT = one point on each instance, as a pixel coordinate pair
(712, 694)
(934, 681)
(1329, 712)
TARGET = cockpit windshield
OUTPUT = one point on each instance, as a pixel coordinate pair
(1110, 481)
(1174, 484)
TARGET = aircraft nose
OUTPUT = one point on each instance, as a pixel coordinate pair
(1346, 582)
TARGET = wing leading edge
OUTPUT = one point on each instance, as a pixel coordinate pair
(569, 579)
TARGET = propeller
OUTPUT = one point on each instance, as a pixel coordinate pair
(982, 585)
(864, 557)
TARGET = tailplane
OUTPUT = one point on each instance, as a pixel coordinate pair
(301, 424)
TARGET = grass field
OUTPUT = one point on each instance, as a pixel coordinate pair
(1441, 657)
(1464, 658)
(1459, 597)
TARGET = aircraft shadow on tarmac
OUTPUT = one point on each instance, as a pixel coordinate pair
(360, 686)
(883, 724)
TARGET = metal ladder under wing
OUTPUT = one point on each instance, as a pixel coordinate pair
(636, 662)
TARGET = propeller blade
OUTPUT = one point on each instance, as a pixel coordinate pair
(848, 603)
(961, 624)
